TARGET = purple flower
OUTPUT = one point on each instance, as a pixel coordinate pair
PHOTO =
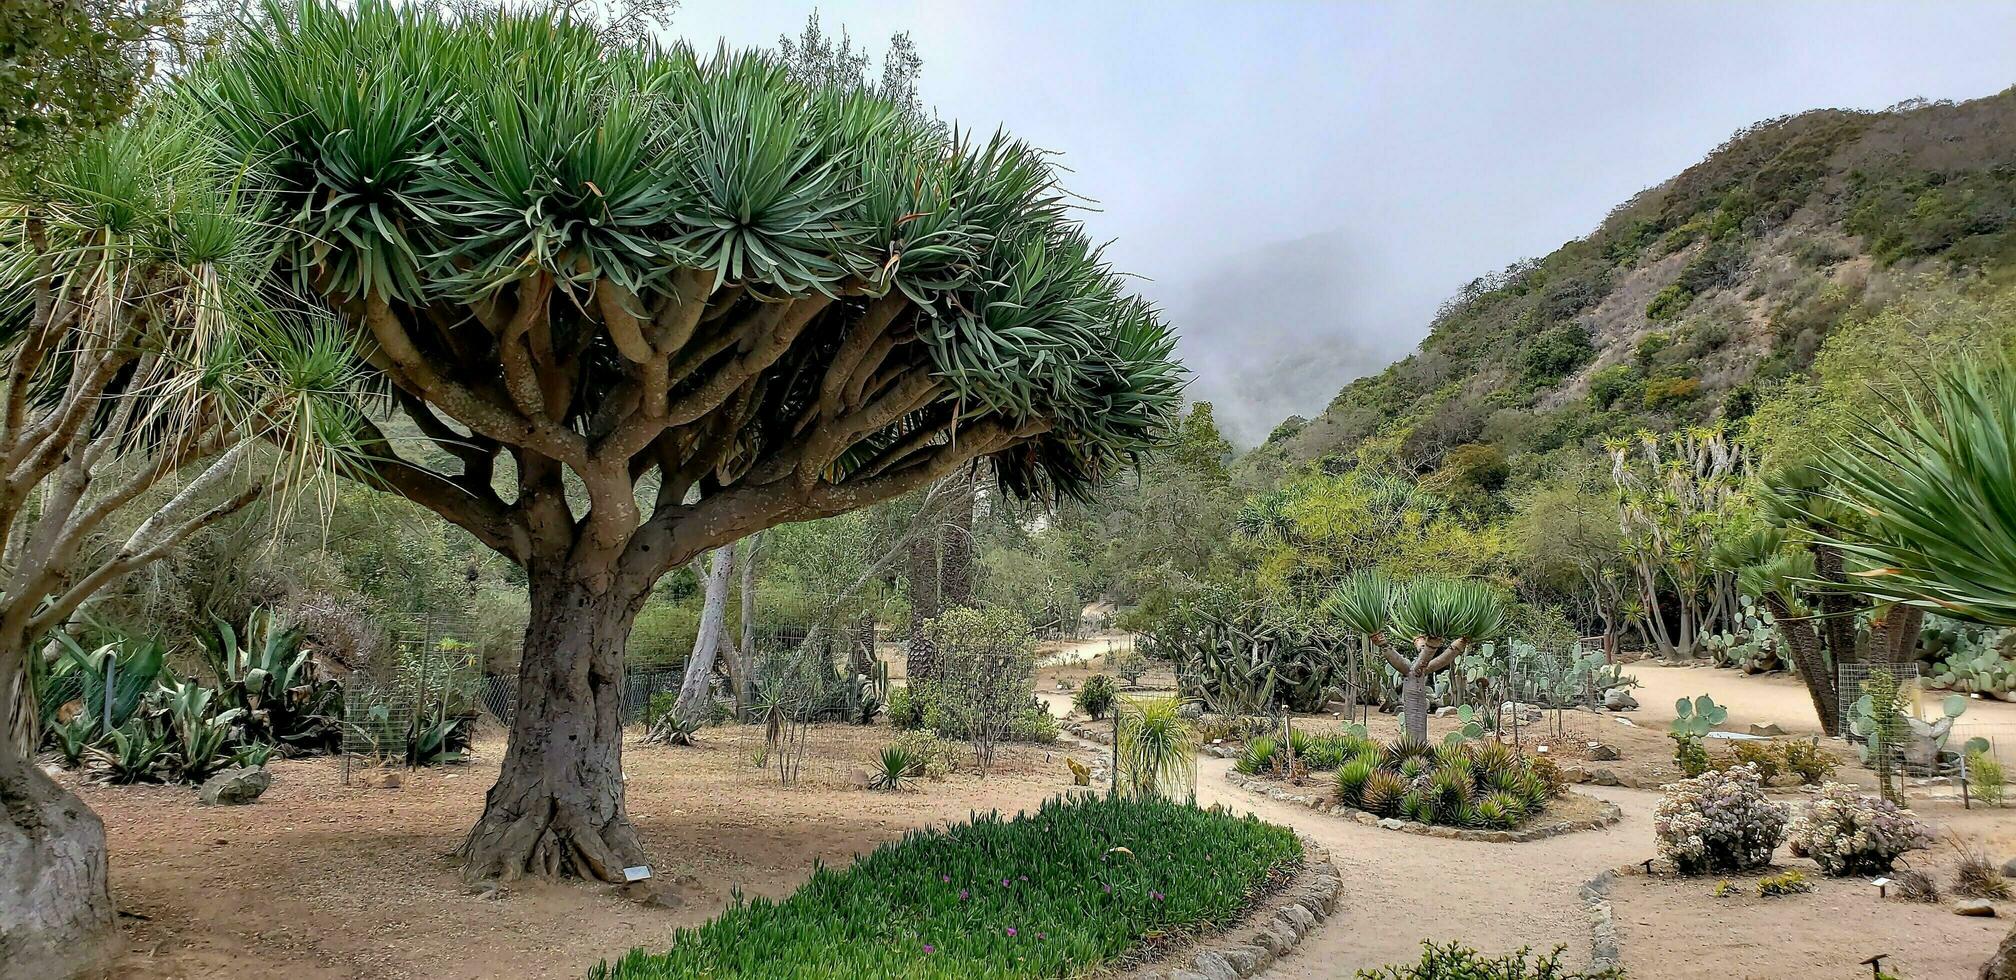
(1004, 882)
(945, 878)
(1107, 888)
(962, 894)
(1022, 877)
(1011, 930)
(1042, 935)
(928, 948)
(1157, 896)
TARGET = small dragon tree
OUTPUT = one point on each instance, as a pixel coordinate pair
(1438, 617)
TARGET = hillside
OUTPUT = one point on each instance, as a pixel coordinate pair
(1694, 296)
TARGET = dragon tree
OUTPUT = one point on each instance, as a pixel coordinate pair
(623, 304)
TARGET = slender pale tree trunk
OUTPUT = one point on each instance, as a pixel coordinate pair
(742, 658)
(557, 807)
(707, 643)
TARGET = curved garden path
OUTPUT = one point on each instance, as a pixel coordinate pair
(1400, 889)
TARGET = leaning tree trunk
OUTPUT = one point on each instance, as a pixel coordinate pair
(56, 916)
(707, 642)
(1802, 642)
(557, 808)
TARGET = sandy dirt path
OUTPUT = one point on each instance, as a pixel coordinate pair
(1400, 890)
(1754, 699)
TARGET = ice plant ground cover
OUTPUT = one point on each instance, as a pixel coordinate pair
(1058, 892)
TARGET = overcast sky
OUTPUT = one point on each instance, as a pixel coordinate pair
(1300, 184)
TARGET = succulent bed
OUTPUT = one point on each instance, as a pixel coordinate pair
(1476, 784)
(1076, 885)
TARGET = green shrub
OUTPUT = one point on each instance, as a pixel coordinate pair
(1455, 962)
(1788, 882)
(936, 757)
(1985, 780)
(1045, 894)
(1096, 697)
(1670, 302)
(1807, 760)
(1763, 755)
(906, 709)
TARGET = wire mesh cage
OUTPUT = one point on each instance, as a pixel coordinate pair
(421, 706)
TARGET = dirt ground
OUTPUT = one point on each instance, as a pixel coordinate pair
(1781, 698)
(319, 880)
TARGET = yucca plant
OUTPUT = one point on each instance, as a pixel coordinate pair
(1935, 485)
(1258, 755)
(1383, 793)
(895, 767)
(135, 753)
(1157, 751)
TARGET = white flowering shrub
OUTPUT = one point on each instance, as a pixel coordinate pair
(1718, 822)
(1848, 833)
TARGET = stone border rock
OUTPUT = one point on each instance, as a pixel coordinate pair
(1604, 951)
(1268, 932)
(1610, 814)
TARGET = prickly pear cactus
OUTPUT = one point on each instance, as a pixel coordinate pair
(1696, 717)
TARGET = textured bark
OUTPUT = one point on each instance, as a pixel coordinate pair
(56, 916)
(1414, 704)
(557, 807)
(1837, 610)
(922, 576)
(1802, 641)
(1894, 634)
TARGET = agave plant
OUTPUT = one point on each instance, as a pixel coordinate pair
(134, 753)
(274, 683)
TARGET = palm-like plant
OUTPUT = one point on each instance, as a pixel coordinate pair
(1156, 754)
(1438, 617)
(1936, 487)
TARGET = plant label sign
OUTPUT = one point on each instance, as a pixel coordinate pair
(637, 873)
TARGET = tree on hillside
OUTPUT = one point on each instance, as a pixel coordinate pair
(650, 303)
(1674, 494)
(140, 377)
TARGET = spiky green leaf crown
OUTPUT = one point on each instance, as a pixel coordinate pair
(436, 160)
(1448, 609)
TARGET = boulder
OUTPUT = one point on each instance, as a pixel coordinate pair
(1619, 699)
(1602, 752)
(1979, 907)
(234, 787)
(1767, 729)
(1190, 710)
(2002, 965)
(2009, 868)
(1604, 777)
